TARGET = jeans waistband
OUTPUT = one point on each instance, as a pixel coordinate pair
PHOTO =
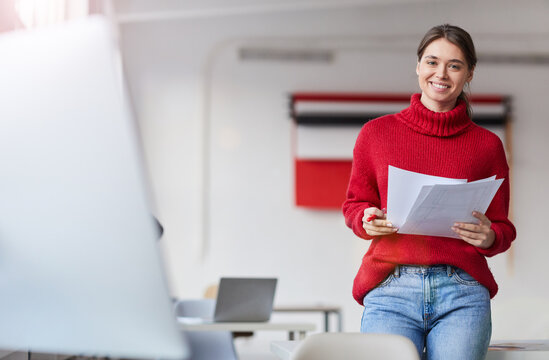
(423, 269)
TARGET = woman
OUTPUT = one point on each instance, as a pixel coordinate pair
(434, 290)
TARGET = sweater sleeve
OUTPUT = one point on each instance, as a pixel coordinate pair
(498, 211)
(362, 191)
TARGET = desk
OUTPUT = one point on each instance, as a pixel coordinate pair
(325, 309)
(498, 350)
(518, 349)
(292, 328)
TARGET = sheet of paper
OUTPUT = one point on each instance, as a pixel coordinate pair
(443, 205)
(426, 189)
(404, 187)
(481, 180)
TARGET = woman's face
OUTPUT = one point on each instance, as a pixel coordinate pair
(442, 72)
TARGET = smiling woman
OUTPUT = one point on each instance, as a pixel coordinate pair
(434, 290)
(445, 65)
(442, 74)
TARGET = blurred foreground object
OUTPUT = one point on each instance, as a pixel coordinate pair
(80, 271)
(356, 346)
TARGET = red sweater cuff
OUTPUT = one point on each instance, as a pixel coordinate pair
(358, 227)
(498, 246)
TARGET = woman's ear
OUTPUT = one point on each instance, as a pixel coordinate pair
(471, 73)
(417, 69)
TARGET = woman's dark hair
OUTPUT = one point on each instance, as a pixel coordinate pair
(458, 37)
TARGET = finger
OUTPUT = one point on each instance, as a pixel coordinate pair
(378, 230)
(473, 235)
(483, 218)
(468, 226)
(378, 233)
(381, 222)
(473, 242)
(370, 219)
(373, 211)
(474, 228)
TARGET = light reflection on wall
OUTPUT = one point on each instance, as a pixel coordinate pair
(35, 13)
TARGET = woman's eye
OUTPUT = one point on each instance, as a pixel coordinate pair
(454, 67)
(430, 62)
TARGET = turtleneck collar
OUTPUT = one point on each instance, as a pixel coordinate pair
(428, 122)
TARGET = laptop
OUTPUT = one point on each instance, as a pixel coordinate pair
(245, 299)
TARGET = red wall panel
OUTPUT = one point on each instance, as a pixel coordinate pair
(321, 183)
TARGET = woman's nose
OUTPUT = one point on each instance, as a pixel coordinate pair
(441, 72)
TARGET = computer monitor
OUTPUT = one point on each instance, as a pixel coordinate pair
(80, 271)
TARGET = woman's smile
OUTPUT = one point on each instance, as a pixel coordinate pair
(439, 85)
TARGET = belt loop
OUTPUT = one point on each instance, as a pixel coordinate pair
(450, 270)
(396, 273)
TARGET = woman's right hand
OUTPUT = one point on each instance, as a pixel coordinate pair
(375, 222)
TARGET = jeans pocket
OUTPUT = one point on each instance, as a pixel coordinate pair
(462, 277)
(386, 281)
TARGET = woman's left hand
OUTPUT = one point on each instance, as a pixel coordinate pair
(479, 235)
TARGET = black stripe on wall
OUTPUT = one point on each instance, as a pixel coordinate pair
(335, 119)
(360, 119)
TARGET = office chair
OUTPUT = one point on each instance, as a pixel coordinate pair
(356, 346)
(205, 345)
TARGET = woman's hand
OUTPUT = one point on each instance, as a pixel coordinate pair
(479, 235)
(375, 222)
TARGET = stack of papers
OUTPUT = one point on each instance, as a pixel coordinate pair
(430, 205)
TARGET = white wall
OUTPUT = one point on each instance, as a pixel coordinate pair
(204, 112)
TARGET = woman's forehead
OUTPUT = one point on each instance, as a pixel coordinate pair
(444, 50)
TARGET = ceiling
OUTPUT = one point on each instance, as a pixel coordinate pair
(146, 10)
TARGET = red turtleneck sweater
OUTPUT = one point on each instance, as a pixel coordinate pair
(444, 144)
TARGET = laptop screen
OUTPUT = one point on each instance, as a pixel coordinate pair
(245, 299)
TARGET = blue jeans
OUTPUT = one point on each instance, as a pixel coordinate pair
(442, 309)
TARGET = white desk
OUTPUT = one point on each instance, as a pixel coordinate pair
(292, 328)
(326, 310)
(518, 350)
(498, 350)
